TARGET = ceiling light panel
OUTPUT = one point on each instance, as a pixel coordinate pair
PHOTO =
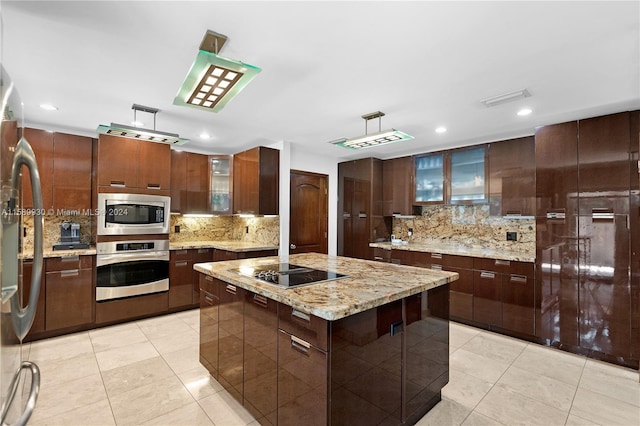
(213, 81)
(505, 97)
(374, 139)
(141, 134)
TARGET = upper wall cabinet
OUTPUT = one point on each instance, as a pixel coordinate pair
(256, 177)
(221, 184)
(397, 178)
(64, 163)
(512, 177)
(467, 179)
(430, 179)
(190, 175)
(132, 164)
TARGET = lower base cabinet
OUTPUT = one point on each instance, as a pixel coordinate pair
(288, 367)
(69, 294)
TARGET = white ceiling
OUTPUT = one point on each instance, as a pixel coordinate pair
(324, 64)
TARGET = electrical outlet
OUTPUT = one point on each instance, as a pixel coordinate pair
(410, 232)
(246, 229)
(512, 236)
(176, 229)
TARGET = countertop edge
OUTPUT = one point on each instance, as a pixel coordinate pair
(457, 251)
(295, 297)
(229, 245)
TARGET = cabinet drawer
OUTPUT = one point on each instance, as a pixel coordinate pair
(179, 255)
(202, 255)
(495, 265)
(69, 298)
(453, 261)
(63, 263)
(306, 326)
(210, 284)
(522, 268)
(464, 283)
(180, 272)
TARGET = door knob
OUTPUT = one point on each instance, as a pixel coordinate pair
(293, 246)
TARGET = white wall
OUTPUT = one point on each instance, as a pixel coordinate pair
(301, 159)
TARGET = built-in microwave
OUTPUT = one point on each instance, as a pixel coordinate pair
(133, 214)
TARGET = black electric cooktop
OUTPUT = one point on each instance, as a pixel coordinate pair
(287, 274)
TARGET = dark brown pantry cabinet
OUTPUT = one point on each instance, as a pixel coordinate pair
(189, 183)
(360, 218)
(256, 177)
(583, 178)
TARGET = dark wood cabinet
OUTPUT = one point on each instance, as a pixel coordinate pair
(260, 357)
(129, 163)
(42, 143)
(518, 298)
(256, 177)
(70, 294)
(231, 335)
(178, 181)
(487, 295)
(512, 177)
(197, 184)
(189, 183)
(360, 218)
(222, 255)
(180, 278)
(209, 307)
(72, 169)
(461, 290)
(38, 321)
(397, 178)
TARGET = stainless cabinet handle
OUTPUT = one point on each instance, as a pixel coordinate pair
(503, 262)
(181, 263)
(436, 255)
(209, 298)
(300, 345)
(260, 300)
(362, 215)
(520, 279)
(75, 258)
(489, 275)
(293, 246)
(181, 252)
(208, 278)
(153, 186)
(231, 288)
(201, 251)
(117, 184)
(24, 156)
(301, 315)
(436, 267)
(70, 273)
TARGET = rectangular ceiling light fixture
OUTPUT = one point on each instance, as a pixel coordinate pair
(213, 80)
(505, 97)
(373, 139)
(142, 134)
(132, 132)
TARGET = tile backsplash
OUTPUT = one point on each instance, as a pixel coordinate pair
(468, 225)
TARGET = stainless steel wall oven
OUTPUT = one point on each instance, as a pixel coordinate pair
(131, 268)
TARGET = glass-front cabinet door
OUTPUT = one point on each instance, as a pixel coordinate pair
(221, 193)
(468, 183)
(429, 182)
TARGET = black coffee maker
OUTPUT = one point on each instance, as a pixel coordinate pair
(70, 237)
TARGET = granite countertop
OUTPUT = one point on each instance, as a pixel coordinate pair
(458, 250)
(369, 284)
(47, 253)
(236, 246)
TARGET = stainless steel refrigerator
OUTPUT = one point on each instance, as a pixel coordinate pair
(19, 378)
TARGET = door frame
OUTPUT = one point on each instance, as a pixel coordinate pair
(325, 177)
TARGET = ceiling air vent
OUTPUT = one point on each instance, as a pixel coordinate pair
(506, 97)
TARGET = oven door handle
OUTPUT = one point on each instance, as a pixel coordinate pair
(110, 259)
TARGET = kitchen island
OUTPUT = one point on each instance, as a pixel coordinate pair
(371, 347)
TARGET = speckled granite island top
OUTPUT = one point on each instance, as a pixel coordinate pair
(60, 253)
(235, 246)
(458, 250)
(369, 284)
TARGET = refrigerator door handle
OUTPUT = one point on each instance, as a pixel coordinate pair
(33, 394)
(24, 156)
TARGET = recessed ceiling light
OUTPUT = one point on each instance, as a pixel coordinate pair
(49, 107)
(137, 123)
(525, 111)
(441, 129)
(205, 136)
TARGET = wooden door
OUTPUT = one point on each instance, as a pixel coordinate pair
(117, 161)
(155, 166)
(308, 219)
(72, 171)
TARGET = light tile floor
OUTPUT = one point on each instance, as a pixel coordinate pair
(147, 373)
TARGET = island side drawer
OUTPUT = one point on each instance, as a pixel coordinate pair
(210, 284)
(310, 328)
